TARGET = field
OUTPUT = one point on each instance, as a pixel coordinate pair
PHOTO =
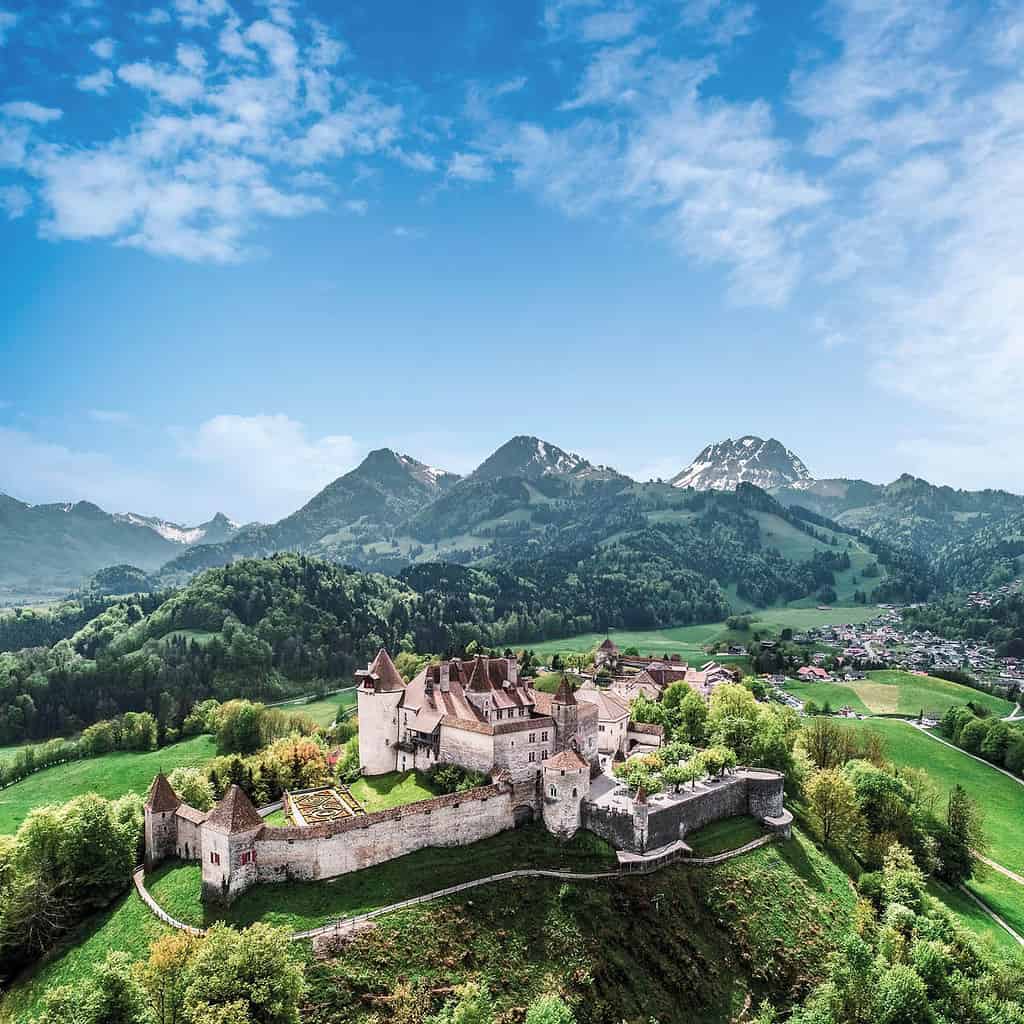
(1001, 798)
(301, 905)
(837, 695)
(112, 775)
(971, 915)
(324, 712)
(1002, 894)
(392, 790)
(727, 834)
(690, 641)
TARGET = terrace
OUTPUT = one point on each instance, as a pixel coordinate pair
(321, 806)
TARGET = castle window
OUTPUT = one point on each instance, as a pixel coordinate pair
(533, 756)
(214, 858)
(600, 728)
(533, 737)
(554, 792)
(544, 735)
(543, 755)
(574, 792)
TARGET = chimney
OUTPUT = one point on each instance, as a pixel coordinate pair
(443, 676)
(513, 671)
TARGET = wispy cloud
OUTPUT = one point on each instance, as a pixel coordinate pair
(470, 167)
(104, 48)
(229, 138)
(8, 19)
(14, 201)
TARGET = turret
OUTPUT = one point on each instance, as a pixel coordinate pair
(229, 847)
(566, 781)
(379, 694)
(565, 712)
(479, 691)
(161, 822)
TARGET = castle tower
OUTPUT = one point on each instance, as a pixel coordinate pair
(379, 695)
(160, 812)
(565, 712)
(229, 847)
(640, 812)
(479, 692)
(566, 780)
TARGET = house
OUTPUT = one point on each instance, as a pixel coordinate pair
(612, 719)
(607, 655)
(631, 687)
(812, 673)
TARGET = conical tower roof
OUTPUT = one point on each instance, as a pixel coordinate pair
(234, 813)
(564, 694)
(479, 682)
(161, 796)
(388, 677)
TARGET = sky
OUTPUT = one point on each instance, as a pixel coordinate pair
(245, 243)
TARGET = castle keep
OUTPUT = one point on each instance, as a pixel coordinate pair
(541, 752)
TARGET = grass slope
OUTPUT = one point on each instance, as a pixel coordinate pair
(1002, 894)
(727, 834)
(891, 692)
(302, 905)
(767, 622)
(392, 790)
(1001, 798)
(111, 776)
(972, 916)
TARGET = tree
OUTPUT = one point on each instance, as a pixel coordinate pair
(835, 813)
(965, 836)
(252, 971)
(692, 716)
(193, 786)
(549, 1010)
(164, 976)
(473, 1006)
(902, 880)
(113, 996)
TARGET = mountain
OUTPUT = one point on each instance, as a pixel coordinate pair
(530, 458)
(751, 460)
(217, 530)
(364, 505)
(47, 550)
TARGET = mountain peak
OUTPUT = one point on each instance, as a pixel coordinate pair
(531, 457)
(749, 459)
(384, 465)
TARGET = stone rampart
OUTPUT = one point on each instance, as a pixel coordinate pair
(325, 851)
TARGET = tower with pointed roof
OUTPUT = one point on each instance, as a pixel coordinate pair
(229, 847)
(566, 782)
(161, 822)
(379, 694)
(479, 692)
(565, 712)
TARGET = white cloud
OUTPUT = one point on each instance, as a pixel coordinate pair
(270, 459)
(607, 26)
(155, 16)
(360, 207)
(403, 231)
(24, 110)
(469, 167)
(198, 13)
(720, 21)
(172, 86)
(7, 21)
(104, 48)
(99, 82)
(191, 58)
(416, 161)
(14, 201)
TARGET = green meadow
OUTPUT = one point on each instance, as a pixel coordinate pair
(111, 775)
(690, 641)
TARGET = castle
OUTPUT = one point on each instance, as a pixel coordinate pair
(543, 754)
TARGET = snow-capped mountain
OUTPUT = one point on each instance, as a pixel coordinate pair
(752, 460)
(530, 457)
(218, 529)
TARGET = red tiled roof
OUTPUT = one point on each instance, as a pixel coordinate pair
(566, 760)
(161, 796)
(564, 694)
(388, 679)
(235, 813)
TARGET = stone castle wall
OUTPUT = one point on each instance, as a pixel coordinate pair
(325, 851)
(755, 792)
(161, 831)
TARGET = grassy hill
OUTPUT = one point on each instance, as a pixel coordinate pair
(618, 950)
(111, 776)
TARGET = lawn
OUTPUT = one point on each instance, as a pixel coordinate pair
(392, 790)
(970, 915)
(548, 682)
(689, 641)
(325, 711)
(727, 834)
(1001, 799)
(112, 775)
(835, 694)
(128, 926)
(1002, 894)
(302, 905)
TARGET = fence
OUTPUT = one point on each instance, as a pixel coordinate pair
(139, 878)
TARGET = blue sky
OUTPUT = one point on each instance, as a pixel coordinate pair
(244, 243)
